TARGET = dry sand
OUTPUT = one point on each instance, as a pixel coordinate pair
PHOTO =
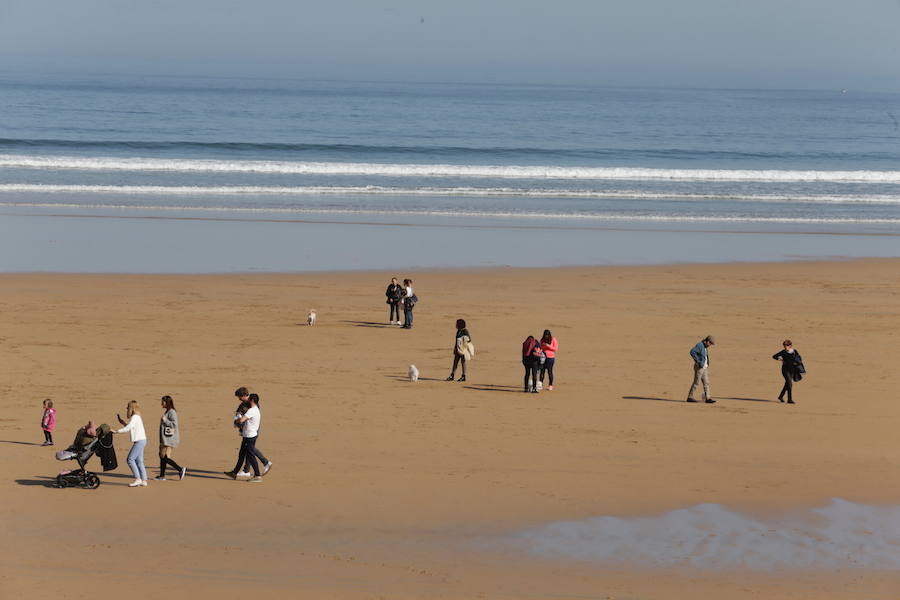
(384, 488)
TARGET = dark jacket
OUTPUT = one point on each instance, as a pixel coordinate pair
(393, 293)
(791, 362)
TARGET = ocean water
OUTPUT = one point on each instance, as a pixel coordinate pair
(109, 151)
(840, 535)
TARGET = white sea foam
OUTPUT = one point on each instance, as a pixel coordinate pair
(78, 208)
(439, 170)
(432, 191)
(840, 535)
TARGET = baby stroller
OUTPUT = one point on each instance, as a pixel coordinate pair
(88, 441)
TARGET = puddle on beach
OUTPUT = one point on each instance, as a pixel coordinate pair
(840, 535)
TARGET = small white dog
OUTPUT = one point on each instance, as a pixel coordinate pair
(311, 317)
(413, 373)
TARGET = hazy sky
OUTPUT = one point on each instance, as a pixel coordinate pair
(728, 43)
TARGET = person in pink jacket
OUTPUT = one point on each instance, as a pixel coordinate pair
(549, 345)
(48, 422)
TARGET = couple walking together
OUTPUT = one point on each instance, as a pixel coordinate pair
(247, 418)
(401, 296)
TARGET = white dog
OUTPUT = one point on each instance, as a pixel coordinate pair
(311, 317)
(413, 373)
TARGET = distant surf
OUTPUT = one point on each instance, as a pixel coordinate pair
(439, 170)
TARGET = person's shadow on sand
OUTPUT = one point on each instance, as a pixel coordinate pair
(22, 443)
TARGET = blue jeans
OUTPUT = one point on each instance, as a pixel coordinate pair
(407, 314)
(136, 460)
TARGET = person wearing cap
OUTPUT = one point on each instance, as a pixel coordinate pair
(700, 354)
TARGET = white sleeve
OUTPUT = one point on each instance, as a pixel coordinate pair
(128, 427)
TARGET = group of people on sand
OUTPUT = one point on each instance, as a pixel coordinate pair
(539, 356)
(401, 297)
(792, 370)
(247, 418)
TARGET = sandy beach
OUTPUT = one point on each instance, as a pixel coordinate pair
(382, 488)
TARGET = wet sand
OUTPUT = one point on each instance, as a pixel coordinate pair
(384, 488)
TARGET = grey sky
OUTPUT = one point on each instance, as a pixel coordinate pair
(729, 43)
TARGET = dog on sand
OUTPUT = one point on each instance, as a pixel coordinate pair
(311, 317)
(413, 373)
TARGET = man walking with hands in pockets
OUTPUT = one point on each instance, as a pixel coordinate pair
(700, 354)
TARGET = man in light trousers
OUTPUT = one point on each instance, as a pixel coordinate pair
(700, 354)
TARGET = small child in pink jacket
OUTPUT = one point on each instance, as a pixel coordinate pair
(48, 422)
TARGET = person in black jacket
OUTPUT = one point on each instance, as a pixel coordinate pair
(792, 369)
(394, 293)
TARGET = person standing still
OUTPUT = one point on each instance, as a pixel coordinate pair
(48, 422)
(550, 347)
(700, 354)
(409, 301)
(393, 293)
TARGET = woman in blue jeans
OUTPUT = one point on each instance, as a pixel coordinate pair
(134, 425)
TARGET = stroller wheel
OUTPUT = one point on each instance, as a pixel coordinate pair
(61, 482)
(91, 481)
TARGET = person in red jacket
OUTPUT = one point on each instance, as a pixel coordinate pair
(549, 345)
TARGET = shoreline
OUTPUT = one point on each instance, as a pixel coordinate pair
(458, 270)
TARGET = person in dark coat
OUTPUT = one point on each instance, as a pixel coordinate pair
(394, 294)
(792, 369)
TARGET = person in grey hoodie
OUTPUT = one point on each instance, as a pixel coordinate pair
(169, 438)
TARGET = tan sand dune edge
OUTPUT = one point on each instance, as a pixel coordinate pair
(385, 488)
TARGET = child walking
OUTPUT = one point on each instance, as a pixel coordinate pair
(48, 422)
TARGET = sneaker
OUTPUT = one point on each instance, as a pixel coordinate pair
(549, 388)
(136, 483)
(231, 474)
(45, 444)
(144, 483)
(256, 479)
(449, 378)
(266, 467)
(691, 400)
(791, 402)
(243, 475)
(159, 478)
(463, 378)
(534, 391)
(710, 401)
(182, 473)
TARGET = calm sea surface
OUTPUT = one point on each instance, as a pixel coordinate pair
(438, 155)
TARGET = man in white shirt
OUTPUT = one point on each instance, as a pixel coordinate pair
(249, 423)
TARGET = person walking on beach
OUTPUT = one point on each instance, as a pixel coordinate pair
(700, 354)
(532, 359)
(792, 369)
(169, 438)
(134, 425)
(394, 293)
(409, 301)
(48, 422)
(249, 423)
(462, 350)
(550, 346)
